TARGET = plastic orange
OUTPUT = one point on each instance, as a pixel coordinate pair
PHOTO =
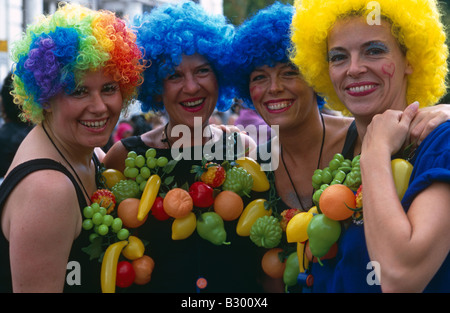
(112, 177)
(143, 268)
(228, 205)
(178, 203)
(271, 263)
(127, 211)
(335, 202)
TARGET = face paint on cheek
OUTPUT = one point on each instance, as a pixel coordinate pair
(255, 93)
(388, 69)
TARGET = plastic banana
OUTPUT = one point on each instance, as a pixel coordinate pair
(109, 266)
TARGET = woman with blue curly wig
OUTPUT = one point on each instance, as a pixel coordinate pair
(74, 72)
(188, 50)
(267, 81)
(372, 59)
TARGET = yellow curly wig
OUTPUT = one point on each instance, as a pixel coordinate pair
(415, 23)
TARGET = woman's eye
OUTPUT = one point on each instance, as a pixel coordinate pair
(375, 51)
(335, 56)
(204, 70)
(258, 77)
(291, 73)
(376, 48)
(79, 92)
(111, 88)
(173, 76)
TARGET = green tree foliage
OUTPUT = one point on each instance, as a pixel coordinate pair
(238, 10)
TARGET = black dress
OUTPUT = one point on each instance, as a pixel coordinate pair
(180, 263)
(82, 274)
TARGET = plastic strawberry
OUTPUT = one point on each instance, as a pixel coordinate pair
(210, 173)
(105, 198)
(286, 216)
(239, 181)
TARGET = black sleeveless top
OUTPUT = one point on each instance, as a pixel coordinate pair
(82, 274)
(180, 263)
(350, 142)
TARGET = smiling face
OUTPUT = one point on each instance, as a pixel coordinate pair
(367, 67)
(280, 95)
(192, 91)
(88, 116)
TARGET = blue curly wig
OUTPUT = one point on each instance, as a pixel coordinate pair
(264, 39)
(170, 31)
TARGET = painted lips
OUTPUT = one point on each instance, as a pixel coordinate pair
(193, 105)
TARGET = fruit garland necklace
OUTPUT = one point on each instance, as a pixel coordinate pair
(318, 162)
(62, 155)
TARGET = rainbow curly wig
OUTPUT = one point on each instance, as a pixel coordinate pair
(170, 31)
(55, 53)
(415, 24)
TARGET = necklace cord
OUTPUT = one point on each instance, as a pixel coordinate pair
(62, 155)
(318, 162)
(165, 137)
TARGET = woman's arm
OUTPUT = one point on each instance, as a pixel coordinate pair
(115, 157)
(410, 247)
(41, 233)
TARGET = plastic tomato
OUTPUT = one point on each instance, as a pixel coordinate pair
(158, 209)
(202, 195)
(125, 274)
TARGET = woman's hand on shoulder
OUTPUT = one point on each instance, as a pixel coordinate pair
(249, 145)
(426, 120)
(387, 132)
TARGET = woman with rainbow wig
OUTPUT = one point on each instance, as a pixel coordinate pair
(372, 59)
(188, 50)
(74, 73)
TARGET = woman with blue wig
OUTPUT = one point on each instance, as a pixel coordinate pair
(188, 49)
(266, 79)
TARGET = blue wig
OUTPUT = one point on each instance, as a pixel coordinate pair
(170, 31)
(264, 39)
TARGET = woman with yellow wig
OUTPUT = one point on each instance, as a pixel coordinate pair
(74, 72)
(372, 59)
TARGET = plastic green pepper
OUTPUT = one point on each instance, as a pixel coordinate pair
(210, 227)
(291, 270)
(323, 232)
